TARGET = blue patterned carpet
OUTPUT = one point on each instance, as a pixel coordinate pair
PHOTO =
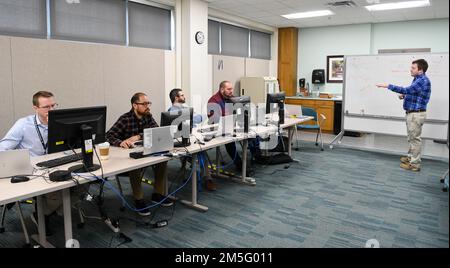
(339, 198)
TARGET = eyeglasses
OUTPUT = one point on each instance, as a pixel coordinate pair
(48, 107)
(144, 103)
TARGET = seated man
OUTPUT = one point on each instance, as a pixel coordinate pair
(31, 133)
(178, 102)
(217, 101)
(128, 129)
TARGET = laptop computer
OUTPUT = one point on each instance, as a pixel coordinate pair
(158, 140)
(15, 162)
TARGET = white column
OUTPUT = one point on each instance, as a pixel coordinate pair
(193, 60)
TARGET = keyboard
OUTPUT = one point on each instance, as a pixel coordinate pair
(138, 155)
(59, 161)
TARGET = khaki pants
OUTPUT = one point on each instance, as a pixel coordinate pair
(53, 201)
(414, 123)
(160, 171)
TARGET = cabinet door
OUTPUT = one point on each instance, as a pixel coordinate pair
(328, 112)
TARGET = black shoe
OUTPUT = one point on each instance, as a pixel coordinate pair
(445, 189)
(157, 198)
(48, 231)
(141, 208)
(442, 180)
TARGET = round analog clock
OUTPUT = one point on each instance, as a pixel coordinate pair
(199, 37)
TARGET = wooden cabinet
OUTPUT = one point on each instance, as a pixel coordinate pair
(325, 107)
(287, 59)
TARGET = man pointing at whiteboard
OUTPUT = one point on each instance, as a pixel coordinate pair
(415, 100)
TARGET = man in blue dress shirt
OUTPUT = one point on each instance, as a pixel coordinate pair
(31, 132)
(415, 101)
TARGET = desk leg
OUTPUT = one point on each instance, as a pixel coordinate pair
(217, 161)
(290, 136)
(41, 238)
(239, 179)
(245, 179)
(67, 214)
(193, 204)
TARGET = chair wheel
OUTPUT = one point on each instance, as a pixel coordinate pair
(317, 144)
(322, 149)
(80, 225)
(2, 230)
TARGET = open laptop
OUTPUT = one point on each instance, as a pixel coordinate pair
(158, 140)
(15, 162)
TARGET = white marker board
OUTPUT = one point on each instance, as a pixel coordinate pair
(376, 110)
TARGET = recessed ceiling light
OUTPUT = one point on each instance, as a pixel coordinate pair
(398, 5)
(309, 14)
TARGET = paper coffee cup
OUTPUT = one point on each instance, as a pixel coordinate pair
(104, 150)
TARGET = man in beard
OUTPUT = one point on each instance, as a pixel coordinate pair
(128, 129)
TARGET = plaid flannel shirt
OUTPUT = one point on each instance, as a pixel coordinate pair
(127, 126)
(417, 95)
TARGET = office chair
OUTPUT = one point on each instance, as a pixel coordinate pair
(317, 126)
(20, 214)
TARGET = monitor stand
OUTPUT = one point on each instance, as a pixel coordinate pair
(185, 142)
(87, 155)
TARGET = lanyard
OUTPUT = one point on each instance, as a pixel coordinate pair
(44, 145)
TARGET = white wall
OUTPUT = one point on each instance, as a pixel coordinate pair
(315, 44)
(411, 34)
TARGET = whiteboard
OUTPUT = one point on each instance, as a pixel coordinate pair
(378, 110)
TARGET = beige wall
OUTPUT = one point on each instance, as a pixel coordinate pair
(234, 68)
(6, 105)
(79, 74)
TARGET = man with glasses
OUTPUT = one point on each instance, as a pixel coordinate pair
(31, 132)
(128, 129)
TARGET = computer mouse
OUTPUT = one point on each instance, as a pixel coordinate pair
(16, 179)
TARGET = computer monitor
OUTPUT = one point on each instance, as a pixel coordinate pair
(242, 111)
(70, 129)
(184, 119)
(276, 101)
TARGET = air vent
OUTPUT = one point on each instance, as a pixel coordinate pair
(342, 4)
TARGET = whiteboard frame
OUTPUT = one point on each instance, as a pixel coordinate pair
(340, 136)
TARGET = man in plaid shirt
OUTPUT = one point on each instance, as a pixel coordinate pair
(128, 129)
(416, 98)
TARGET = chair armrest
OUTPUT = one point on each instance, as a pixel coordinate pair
(322, 119)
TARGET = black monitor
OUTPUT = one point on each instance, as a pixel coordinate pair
(276, 101)
(185, 118)
(241, 108)
(70, 129)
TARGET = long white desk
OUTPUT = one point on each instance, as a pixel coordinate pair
(120, 162)
(194, 149)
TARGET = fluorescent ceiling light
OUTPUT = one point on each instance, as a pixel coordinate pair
(310, 14)
(398, 5)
